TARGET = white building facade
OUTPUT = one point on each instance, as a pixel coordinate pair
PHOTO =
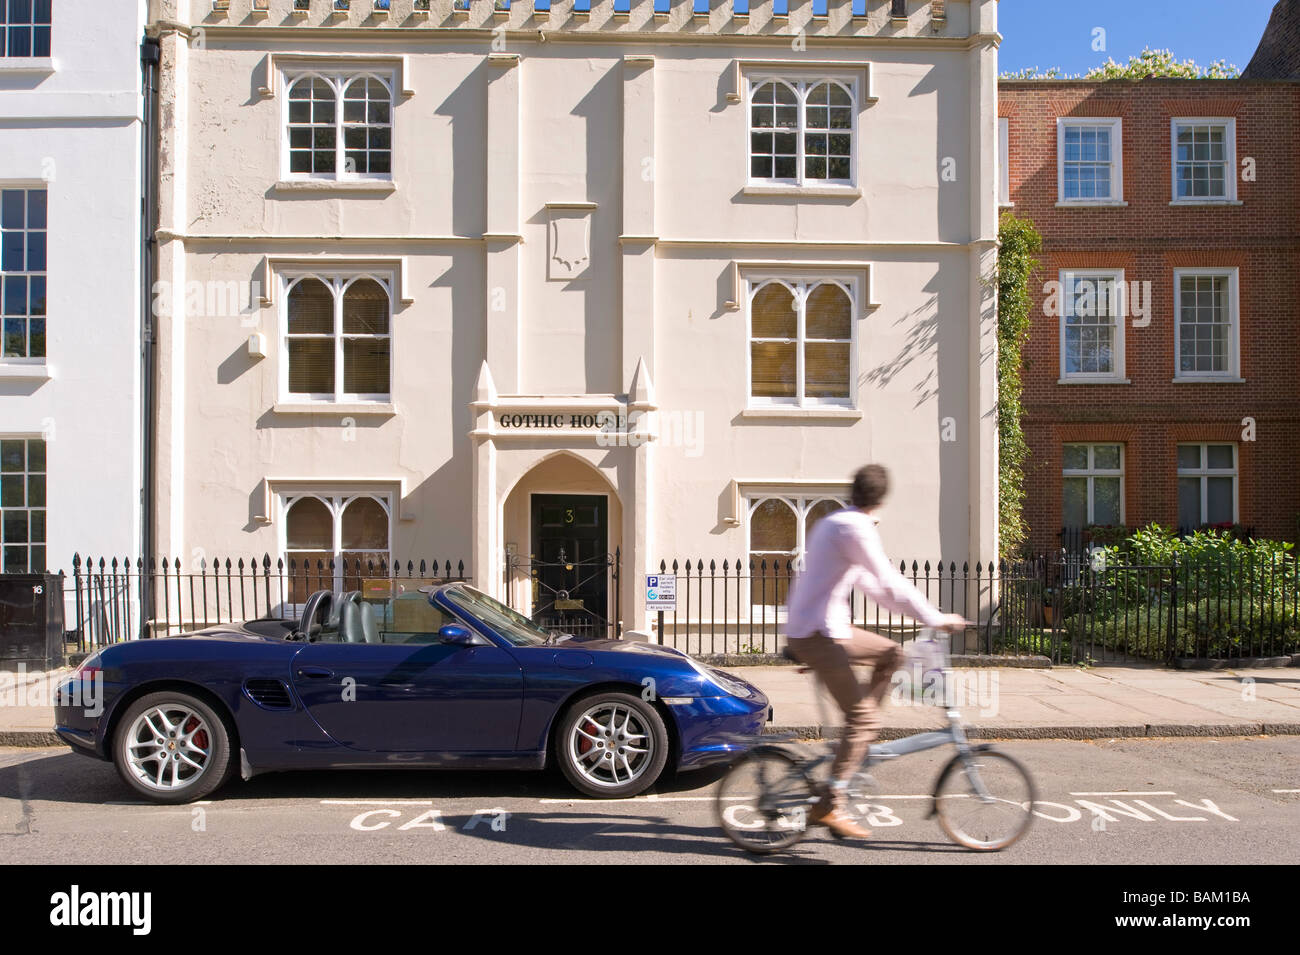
(70, 282)
(491, 284)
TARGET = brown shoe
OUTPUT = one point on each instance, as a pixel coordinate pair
(840, 825)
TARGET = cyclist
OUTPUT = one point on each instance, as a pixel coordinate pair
(844, 551)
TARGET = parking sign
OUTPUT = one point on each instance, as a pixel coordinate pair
(661, 592)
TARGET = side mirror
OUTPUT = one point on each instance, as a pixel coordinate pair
(456, 635)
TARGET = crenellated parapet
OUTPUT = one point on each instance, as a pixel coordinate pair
(950, 19)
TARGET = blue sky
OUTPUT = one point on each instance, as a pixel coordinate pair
(1046, 33)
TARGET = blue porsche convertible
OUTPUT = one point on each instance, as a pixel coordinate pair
(446, 677)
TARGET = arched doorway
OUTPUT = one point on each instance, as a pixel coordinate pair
(561, 525)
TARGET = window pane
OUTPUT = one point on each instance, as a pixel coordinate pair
(12, 490)
(1074, 457)
(365, 366)
(365, 525)
(1219, 456)
(311, 308)
(1189, 456)
(1074, 501)
(826, 370)
(311, 365)
(13, 209)
(365, 308)
(772, 313)
(309, 526)
(1218, 499)
(12, 455)
(36, 490)
(1189, 502)
(829, 313)
(773, 527)
(1105, 501)
(1105, 457)
(774, 370)
(309, 571)
(14, 527)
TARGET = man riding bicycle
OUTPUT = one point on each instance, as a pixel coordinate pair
(844, 551)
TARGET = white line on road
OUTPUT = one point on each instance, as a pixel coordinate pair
(376, 802)
(1286, 790)
(1130, 792)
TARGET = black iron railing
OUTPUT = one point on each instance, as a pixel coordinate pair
(738, 607)
(1090, 607)
(114, 599)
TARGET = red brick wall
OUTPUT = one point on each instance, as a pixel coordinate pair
(1148, 239)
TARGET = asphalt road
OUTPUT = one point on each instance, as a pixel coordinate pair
(1144, 801)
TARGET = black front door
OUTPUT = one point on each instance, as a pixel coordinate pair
(570, 561)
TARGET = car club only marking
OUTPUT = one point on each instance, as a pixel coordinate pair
(1119, 805)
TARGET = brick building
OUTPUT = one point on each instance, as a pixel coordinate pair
(1160, 370)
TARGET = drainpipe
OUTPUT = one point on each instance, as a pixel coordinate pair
(149, 57)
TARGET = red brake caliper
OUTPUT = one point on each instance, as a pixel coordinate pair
(201, 737)
(584, 744)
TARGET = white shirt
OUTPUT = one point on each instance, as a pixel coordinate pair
(844, 551)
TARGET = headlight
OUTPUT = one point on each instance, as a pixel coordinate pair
(720, 679)
(89, 666)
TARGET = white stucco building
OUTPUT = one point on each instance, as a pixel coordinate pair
(521, 279)
(70, 281)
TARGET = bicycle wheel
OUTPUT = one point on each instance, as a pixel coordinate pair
(984, 799)
(763, 802)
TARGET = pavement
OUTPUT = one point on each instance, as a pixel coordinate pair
(997, 703)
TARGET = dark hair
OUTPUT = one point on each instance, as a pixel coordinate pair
(870, 485)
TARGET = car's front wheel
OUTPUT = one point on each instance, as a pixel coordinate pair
(172, 747)
(612, 744)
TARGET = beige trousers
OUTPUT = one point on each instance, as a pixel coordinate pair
(833, 662)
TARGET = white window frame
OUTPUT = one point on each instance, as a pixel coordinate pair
(338, 279)
(801, 502)
(1116, 374)
(1004, 162)
(1230, 160)
(27, 506)
(802, 81)
(32, 24)
(1233, 371)
(339, 78)
(1204, 472)
(1116, 198)
(1091, 472)
(336, 499)
(33, 363)
(800, 284)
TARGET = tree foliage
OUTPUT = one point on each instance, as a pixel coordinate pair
(1147, 64)
(1019, 244)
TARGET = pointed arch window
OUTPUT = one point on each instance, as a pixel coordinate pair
(801, 132)
(338, 337)
(339, 125)
(332, 540)
(801, 333)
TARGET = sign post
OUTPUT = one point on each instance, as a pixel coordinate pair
(661, 595)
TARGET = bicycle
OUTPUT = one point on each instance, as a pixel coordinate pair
(983, 798)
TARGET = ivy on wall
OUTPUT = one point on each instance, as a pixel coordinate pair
(1019, 242)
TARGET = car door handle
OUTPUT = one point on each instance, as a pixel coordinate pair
(315, 673)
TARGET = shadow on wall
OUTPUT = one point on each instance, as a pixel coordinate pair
(467, 109)
(600, 109)
(944, 383)
(920, 338)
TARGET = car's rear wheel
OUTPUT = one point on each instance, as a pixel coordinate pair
(172, 747)
(612, 744)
